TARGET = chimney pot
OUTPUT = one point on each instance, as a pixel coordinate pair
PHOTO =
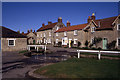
(68, 23)
(89, 19)
(43, 24)
(22, 33)
(28, 31)
(60, 19)
(49, 22)
(93, 16)
(31, 30)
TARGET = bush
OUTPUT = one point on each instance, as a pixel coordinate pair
(86, 43)
(99, 48)
(111, 45)
(93, 48)
(84, 48)
(79, 44)
(59, 43)
(71, 43)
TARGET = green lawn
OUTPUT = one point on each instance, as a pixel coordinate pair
(82, 68)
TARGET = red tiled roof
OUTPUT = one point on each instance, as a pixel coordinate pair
(70, 28)
(8, 33)
(105, 23)
(47, 27)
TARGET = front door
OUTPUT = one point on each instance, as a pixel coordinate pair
(70, 43)
(104, 43)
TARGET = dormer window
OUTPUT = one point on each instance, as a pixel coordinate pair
(93, 29)
(65, 33)
(57, 28)
(118, 27)
(75, 32)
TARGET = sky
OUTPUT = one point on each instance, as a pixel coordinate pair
(30, 15)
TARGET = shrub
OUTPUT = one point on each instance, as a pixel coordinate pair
(111, 45)
(59, 43)
(86, 43)
(99, 48)
(71, 43)
(79, 44)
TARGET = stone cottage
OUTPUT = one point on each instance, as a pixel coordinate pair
(46, 35)
(12, 41)
(106, 29)
(31, 37)
(71, 35)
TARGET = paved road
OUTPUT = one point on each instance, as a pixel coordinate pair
(61, 49)
(16, 65)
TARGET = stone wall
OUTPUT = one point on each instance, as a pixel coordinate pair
(20, 44)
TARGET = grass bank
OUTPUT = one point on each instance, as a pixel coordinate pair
(82, 68)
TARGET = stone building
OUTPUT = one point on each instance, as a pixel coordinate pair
(31, 37)
(12, 41)
(107, 29)
(45, 34)
(70, 34)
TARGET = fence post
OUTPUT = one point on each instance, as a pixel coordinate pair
(37, 49)
(99, 55)
(78, 54)
(45, 48)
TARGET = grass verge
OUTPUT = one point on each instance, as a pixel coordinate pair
(82, 68)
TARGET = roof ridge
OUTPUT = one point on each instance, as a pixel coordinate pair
(106, 18)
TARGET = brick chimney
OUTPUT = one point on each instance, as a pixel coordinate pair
(43, 24)
(22, 33)
(93, 16)
(28, 31)
(89, 19)
(49, 22)
(34, 30)
(60, 20)
(68, 23)
(31, 30)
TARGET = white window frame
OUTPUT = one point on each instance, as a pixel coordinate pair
(49, 40)
(49, 33)
(56, 33)
(56, 40)
(41, 35)
(93, 29)
(92, 40)
(65, 33)
(44, 35)
(75, 32)
(118, 41)
(57, 28)
(13, 40)
(118, 27)
(75, 41)
(37, 35)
